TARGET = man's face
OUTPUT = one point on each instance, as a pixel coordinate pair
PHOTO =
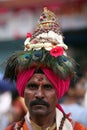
(40, 95)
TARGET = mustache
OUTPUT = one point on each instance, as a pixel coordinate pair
(39, 102)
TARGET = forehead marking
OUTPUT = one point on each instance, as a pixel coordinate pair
(40, 78)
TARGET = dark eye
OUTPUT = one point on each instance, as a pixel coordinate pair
(48, 86)
(32, 86)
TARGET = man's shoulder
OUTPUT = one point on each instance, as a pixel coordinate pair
(79, 126)
(16, 125)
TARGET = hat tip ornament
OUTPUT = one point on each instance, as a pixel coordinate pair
(47, 34)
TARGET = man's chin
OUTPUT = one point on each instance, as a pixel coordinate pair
(39, 110)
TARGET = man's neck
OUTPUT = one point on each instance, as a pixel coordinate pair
(44, 121)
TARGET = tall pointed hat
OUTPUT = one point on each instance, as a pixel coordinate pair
(45, 47)
(47, 34)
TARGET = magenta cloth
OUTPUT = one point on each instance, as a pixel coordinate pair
(22, 79)
(60, 85)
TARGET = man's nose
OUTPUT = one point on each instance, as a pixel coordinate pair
(39, 93)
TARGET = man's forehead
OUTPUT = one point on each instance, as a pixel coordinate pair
(39, 77)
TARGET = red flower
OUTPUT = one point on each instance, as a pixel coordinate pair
(28, 35)
(57, 51)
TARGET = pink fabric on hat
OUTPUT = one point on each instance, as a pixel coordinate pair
(22, 79)
(60, 85)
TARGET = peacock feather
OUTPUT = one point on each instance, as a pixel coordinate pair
(62, 65)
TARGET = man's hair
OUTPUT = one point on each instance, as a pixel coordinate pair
(38, 70)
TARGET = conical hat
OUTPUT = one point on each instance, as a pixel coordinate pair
(45, 47)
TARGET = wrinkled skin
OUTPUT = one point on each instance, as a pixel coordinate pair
(40, 88)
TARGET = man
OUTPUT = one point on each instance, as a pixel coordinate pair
(43, 72)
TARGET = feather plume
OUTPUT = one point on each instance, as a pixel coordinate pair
(11, 65)
(62, 65)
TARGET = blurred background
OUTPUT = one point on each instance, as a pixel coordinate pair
(17, 17)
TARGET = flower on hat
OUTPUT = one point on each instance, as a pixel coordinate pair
(28, 35)
(26, 43)
(57, 51)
